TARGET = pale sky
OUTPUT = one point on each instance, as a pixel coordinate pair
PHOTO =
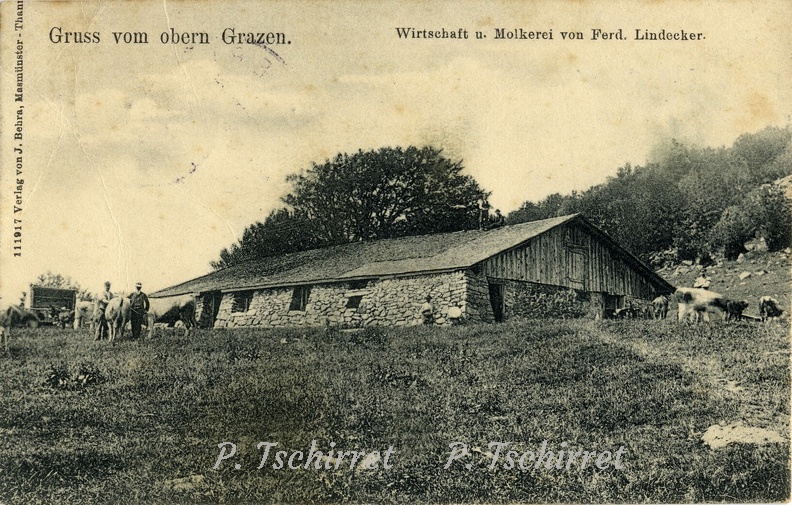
(141, 162)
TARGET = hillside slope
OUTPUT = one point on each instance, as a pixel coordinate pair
(769, 275)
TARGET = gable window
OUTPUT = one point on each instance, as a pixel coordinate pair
(242, 301)
(299, 299)
(353, 302)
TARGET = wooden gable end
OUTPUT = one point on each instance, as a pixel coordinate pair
(570, 256)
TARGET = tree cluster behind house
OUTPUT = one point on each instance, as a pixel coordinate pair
(687, 203)
(378, 194)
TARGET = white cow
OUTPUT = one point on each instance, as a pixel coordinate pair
(84, 312)
(117, 314)
(696, 301)
(172, 309)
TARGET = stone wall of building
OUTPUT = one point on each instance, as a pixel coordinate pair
(528, 300)
(524, 300)
(397, 302)
(478, 306)
(383, 302)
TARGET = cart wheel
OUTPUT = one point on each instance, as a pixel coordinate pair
(32, 323)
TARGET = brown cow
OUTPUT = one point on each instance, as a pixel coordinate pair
(735, 309)
(768, 308)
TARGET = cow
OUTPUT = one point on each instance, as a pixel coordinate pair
(697, 301)
(172, 309)
(84, 312)
(734, 309)
(117, 314)
(768, 308)
(18, 315)
(660, 307)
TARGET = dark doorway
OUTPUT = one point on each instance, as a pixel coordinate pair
(612, 303)
(211, 307)
(496, 299)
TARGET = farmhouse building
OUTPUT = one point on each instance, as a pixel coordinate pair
(559, 267)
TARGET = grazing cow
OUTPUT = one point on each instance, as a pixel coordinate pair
(768, 308)
(84, 313)
(17, 315)
(117, 314)
(697, 301)
(172, 309)
(734, 309)
(660, 307)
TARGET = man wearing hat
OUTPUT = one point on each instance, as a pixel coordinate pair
(99, 315)
(139, 305)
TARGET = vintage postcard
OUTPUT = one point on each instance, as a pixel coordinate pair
(395, 251)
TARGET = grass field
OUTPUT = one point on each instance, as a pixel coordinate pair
(144, 422)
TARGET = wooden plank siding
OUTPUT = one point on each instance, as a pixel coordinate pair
(570, 256)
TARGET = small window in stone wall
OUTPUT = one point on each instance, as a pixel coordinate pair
(353, 302)
(242, 300)
(299, 299)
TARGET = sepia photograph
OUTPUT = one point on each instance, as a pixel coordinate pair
(346, 251)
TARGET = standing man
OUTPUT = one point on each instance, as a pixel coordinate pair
(140, 305)
(484, 218)
(101, 305)
(427, 311)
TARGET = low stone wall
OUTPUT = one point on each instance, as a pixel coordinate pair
(384, 302)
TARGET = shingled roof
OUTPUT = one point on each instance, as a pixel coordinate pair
(391, 257)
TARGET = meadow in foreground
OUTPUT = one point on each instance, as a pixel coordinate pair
(141, 422)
